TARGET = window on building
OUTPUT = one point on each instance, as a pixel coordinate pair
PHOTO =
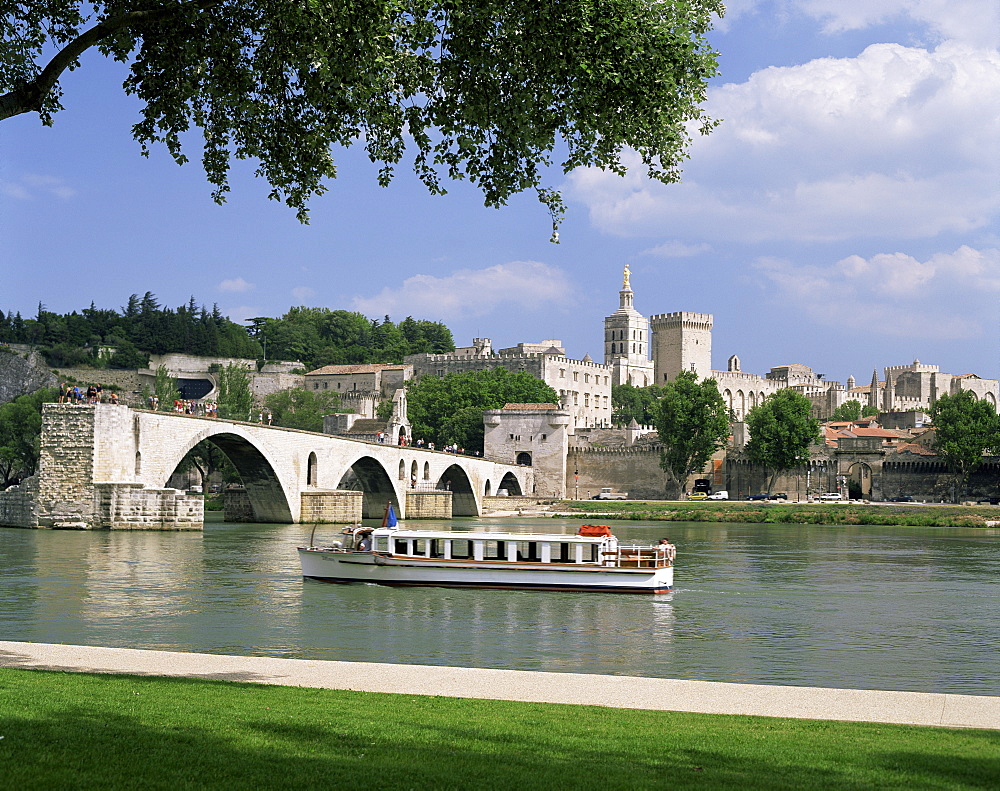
(586, 399)
(586, 378)
(576, 376)
(562, 373)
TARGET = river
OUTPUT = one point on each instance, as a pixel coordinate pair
(893, 608)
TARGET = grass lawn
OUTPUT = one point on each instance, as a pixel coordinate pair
(76, 731)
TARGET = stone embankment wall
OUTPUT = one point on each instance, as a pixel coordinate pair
(22, 372)
(428, 505)
(329, 507)
(634, 470)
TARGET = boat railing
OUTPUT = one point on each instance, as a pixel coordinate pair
(638, 557)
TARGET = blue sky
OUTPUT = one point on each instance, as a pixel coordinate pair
(845, 215)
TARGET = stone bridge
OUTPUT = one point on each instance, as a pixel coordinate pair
(106, 466)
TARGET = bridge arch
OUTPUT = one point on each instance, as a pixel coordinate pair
(511, 484)
(267, 493)
(368, 475)
(463, 496)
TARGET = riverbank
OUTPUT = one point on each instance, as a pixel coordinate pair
(119, 720)
(771, 512)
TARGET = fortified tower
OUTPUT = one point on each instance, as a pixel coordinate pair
(626, 341)
(681, 342)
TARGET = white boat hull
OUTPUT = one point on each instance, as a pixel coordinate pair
(331, 565)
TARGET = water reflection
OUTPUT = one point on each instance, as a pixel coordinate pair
(883, 608)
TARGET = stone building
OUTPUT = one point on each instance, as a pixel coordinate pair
(361, 387)
(626, 342)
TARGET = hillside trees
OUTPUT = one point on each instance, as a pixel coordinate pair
(449, 409)
(964, 429)
(781, 430)
(693, 422)
(467, 90)
(142, 327)
(320, 336)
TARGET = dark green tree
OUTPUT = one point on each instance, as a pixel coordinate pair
(849, 410)
(449, 409)
(634, 403)
(20, 434)
(476, 90)
(965, 427)
(693, 422)
(300, 408)
(781, 430)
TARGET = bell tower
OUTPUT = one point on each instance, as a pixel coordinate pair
(626, 340)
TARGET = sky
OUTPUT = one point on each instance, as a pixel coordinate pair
(844, 215)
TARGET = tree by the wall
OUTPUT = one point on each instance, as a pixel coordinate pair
(964, 428)
(693, 422)
(465, 90)
(165, 389)
(300, 408)
(20, 433)
(849, 410)
(630, 403)
(235, 398)
(781, 430)
(449, 409)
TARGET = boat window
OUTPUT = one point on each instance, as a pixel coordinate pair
(460, 548)
(562, 554)
(494, 550)
(528, 551)
(400, 548)
(436, 548)
(419, 546)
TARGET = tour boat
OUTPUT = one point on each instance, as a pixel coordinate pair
(591, 560)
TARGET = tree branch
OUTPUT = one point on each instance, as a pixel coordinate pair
(30, 97)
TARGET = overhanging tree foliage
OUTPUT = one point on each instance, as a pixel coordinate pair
(449, 409)
(693, 422)
(781, 430)
(476, 90)
(964, 429)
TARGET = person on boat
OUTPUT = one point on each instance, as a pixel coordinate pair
(665, 546)
(363, 541)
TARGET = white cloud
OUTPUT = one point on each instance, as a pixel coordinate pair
(237, 285)
(949, 296)
(303, 293)
(32, 185)
(675, 249)
(528, 285)
(970, 21)
(897, 142)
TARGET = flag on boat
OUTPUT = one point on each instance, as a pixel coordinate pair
(390, 517)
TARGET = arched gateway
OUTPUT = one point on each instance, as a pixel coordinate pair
(91, 475)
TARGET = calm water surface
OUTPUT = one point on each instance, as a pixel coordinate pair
(859, 607)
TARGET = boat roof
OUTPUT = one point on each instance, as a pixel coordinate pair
(549, 537)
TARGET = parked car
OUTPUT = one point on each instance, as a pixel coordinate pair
(903, 498)
(831, 496)
(697, 496)
(607, 493)
(758, 496)
(719, 495)
(777, 496)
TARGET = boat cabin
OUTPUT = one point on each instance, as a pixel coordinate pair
(594, 550)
